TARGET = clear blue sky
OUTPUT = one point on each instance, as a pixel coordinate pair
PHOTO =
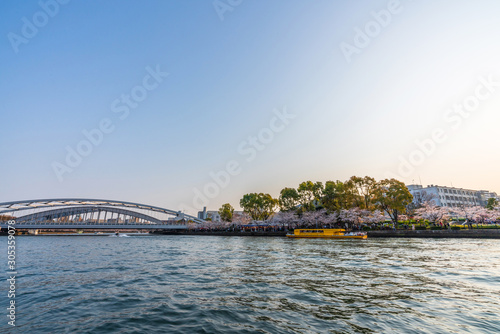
(354, 112)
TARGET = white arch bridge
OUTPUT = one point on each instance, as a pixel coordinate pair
(78, 213)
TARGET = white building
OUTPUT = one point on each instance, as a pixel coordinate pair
(485, 195)
(447, 196)
(213, 215)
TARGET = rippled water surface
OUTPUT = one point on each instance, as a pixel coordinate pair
(198, 284)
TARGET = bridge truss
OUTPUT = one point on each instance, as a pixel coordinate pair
(91, 213)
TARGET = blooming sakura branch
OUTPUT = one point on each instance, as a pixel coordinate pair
(475, 214)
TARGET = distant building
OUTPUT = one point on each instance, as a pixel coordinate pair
(449, 196)
(485, 195)
(202, 214)
(213, 215)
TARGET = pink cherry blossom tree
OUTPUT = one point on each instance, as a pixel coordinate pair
(480, 215)
(285, 218)
(373, 217)
(241, 219)
(433, 213)
(311, 218)
(351, 217)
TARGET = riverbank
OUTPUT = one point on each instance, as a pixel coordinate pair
(226, 233)
(474, 234)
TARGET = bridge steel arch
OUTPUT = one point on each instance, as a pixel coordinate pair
(17, 206)
(77, 210)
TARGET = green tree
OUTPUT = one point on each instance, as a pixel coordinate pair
(310, 194)
(492, 203)
(258, 206)
(289, 199)
(334, 196)
(226, 212)
(360, 192)
(392, 197)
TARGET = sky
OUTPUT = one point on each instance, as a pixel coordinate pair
(185, 104)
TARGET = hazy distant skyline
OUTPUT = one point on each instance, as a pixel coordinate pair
(257, 95)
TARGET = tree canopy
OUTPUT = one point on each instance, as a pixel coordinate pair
(289, 199)
(226, 212)
(310, 195)
(258, 206)
(392, 196)
(334, 196)
(360, 197)
(492, 203)
(360, 192)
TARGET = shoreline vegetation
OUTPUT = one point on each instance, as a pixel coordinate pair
(357, 204)
(384, 207)
(431, 234)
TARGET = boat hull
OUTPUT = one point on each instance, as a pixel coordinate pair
(328, 237)
(326, 233)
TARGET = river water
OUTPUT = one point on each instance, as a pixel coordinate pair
(209, 284)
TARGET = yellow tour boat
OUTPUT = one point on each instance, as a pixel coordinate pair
(327, 233)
